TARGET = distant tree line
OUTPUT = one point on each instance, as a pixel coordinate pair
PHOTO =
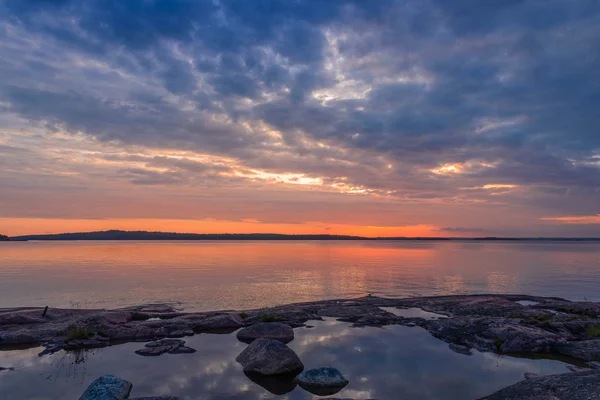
(4, 238)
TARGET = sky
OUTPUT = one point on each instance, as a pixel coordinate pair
(375, 118)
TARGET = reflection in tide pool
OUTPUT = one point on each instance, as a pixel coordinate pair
(206, 276)
(383, 363)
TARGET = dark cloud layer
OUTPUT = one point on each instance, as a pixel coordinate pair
(378, 94)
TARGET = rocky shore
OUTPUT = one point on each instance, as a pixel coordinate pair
(509, 324)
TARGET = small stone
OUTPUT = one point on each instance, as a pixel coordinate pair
(531, 375)
(460, 349)
(268, 330)
(107, 387)
(165, 342)
(269, 357)
(182, 350)
(323, 381)
(7, 368)
(154, 351)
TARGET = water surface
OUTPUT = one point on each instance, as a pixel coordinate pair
(394, 362)
(250, 274)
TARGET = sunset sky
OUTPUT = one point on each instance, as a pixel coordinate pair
(375, 118)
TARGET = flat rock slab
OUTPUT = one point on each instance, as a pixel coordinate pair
(171, 346)
(268, 330)
(588, 350)
(323, 381)
(572, 386)
(219, 322)
(107, 387)
(269, 357)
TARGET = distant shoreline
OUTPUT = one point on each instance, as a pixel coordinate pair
(161, 236)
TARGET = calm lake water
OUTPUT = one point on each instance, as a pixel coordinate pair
(394, 362)
(242, 275)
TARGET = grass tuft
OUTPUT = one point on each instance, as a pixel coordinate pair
(79, 333)
(593, 331)
(498, 343)
(271, 318)
(243, 315)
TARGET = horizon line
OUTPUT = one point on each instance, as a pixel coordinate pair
(315, 236)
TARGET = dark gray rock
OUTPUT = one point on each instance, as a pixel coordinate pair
(158, 347)
(107, 387)
(180, 333)
(269, 357)
(219, 322)
(571, 386)
(323, 381)
(531, 375)
(588, 350)
(7, 369)
(182, 350)
(268, 330)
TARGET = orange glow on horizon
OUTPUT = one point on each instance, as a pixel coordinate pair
(27, 226)
(585, 219)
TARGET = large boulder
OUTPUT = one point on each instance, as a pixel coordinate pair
(107, 387)
(268, 330)
(323, 381)
(269, 357)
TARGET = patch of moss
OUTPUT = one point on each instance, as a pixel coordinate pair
(593, 331)
(78, 333)
(271, 318)
(243, 315)
(536, 319)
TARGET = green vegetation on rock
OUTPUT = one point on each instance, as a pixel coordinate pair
(78, 333)
(593, 331)
(271, 318)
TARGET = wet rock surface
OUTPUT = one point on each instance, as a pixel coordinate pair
(171, 346)
(268, 330)
(269, 357)
(572, 386)
(107, 387)
(497, 323)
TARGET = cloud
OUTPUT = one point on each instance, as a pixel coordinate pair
(583, 219)
(464, 230)
(412, 100)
